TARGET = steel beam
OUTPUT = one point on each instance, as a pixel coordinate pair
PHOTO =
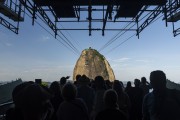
(98, 29)
(90, 17)
(30, 7)
(96, 2)
(176, 32)
(150, 19)
(8, 25)
(47, 20)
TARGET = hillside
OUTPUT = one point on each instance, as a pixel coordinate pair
(172, 85)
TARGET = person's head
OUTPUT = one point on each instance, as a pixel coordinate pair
(34, 102)
(84, 80)
(137, 82)
(63, 81)
(55, 88)
(110, 98)
(158, 79)
(129, 84)
(108, 82)
(99, 82)
(117, 86)
(18, 89)
(143, 80)
(122, 84)
(77, 77)
(69, 92)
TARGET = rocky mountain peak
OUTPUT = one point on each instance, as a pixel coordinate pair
(91, 63)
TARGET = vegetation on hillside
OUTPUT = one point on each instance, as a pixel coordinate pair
(99, 55)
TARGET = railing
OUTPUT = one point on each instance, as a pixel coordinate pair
(3, 108)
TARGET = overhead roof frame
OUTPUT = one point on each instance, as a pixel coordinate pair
(132, 10)
(122, 9)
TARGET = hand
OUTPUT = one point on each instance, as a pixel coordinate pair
(67, 77)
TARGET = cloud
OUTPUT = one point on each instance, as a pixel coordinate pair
(119, 66)
(45, 38)
(8, 44)
(121, 59)
(144, 61)
(67, 66)
(4, 39)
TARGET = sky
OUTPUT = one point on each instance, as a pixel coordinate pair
(34, 53)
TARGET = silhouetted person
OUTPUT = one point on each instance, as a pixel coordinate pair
(76, 82)
(145, 86)
(162, 103)
(108, 84)
(129, 90)
(136, 101)
(63, 81)
(78, 76)
(111, 111)
(99, 92)
(72, 108)
(56, 99)
(128, 86)
(122, 84)
(85, 92)
(15, 113)
(123, 99)
(35, 103)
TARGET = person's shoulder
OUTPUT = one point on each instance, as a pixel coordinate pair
(64, 103)
(79, 102)
(149, 96)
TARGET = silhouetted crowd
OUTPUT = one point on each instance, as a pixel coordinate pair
(96, 99)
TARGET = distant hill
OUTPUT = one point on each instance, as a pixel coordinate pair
(6, 90)
(172, 85)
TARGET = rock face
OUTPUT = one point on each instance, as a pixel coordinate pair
(92, 63)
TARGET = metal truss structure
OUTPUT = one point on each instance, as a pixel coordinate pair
(8, 25)
(109, 15)
(12, 10)
(173, 15)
